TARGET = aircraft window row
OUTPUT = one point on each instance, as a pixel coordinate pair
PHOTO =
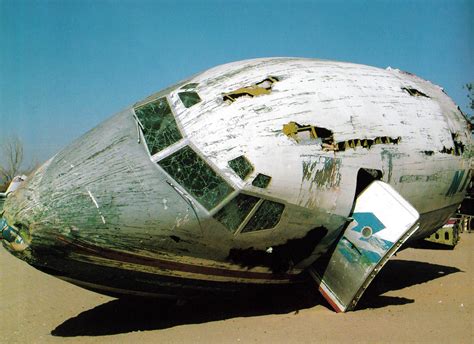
(189, 98)
(234, 214)
(158, 124)
(188, 169)
(241, 166)
(261, 181)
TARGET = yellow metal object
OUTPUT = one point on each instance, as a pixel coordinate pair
(292, 129)
(260, 88)
(253, 91)
(447, 235)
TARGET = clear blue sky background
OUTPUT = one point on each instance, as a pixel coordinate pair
(67, 65)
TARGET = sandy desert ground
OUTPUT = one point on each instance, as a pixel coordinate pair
(422, 295)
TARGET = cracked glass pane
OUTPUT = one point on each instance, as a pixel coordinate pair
(241, 166)
(159, 126)
(267, 216)
(196, 177)
(190, 86)
(189, 98)
(261, 181)
(235, 212)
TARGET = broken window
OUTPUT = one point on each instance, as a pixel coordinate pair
(261, 181)
(414, 92)
(235, 212)
(189, 86)
(189, 98)
(158, 124)
(196, 177)
(241, 166)
(258, 89)
(307, 132)
(267, 216)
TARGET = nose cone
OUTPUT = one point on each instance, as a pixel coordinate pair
(103, 189)
(23, 213)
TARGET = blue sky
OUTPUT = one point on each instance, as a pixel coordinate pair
(67, 65)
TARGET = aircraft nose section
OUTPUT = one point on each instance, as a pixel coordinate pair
(103, 190)
(21, 213)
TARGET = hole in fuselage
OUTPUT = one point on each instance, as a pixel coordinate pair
(365, 177)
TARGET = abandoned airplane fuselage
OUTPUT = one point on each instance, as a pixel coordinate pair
(240, 177)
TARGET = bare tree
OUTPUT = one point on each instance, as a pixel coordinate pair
(12, 156)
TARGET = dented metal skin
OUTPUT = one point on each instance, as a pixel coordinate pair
(104, 214)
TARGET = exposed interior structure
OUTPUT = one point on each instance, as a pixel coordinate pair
(260, 88)
(307, 133)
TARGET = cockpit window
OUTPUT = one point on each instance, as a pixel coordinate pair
(235, 212)
(192, 85)
(261, 181)
(196, 176)
(159, 126)
(267, 216)
(189, 98)
(241, 166)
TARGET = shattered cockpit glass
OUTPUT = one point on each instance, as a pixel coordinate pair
(189, 98)
(261, 181)
(196, 176)
(235, 212)
(267, 216)
(158, 124)
(241, 166)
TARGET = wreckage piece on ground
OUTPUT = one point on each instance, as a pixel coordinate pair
(244, 177)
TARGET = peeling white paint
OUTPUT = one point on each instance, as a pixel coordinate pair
(93, 199)
(96, 205)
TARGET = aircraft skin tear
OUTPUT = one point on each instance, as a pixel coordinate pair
(414, 92)
(258, 89)
(325, 137)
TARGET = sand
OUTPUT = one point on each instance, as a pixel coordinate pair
(422, 295)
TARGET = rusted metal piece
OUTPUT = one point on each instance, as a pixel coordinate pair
(447, 235)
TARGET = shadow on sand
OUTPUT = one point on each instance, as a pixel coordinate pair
(122, 316)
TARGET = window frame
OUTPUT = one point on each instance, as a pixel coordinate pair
(255, 210)
(187, 92)
(179, 145)
(157, 156)
(251, 213)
